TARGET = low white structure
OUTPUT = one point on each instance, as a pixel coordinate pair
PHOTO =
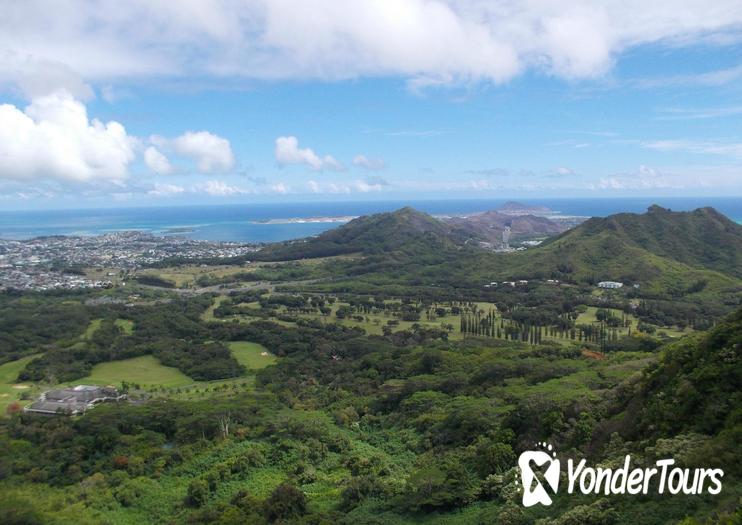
(610, 284)
(73, 400)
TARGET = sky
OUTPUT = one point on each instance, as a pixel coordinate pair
(147, 102)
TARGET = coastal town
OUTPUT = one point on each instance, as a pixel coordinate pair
(58, 262)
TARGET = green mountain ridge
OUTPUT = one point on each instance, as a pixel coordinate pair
(668, 254)
(406, 230)
(702, 238)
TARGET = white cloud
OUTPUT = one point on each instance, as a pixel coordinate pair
(338, 188)
(564, 171)
(211, 153)
(712, 147)
(371, 184)
(717, 77)
(373, 164)
(698, 113)
(279, 187)
(53, 138)
(217, 188)
(35, 77)
(165, 190)
(157, 162)
(643, 178)
(289, 152)
(427, 41)
(368, 186)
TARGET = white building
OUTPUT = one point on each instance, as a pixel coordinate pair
(609, 284)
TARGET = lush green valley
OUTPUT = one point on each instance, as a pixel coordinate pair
(384, 372)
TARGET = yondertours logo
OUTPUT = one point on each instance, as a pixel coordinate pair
(535, 489)
(540, 472)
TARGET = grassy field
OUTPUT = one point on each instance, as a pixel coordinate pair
(208, 315)
(160, 380)
(9, 389)
(589, 317)
(186, 276)
(372, 323)
(126, 325)
(251, 355)
(92, 327)
(145, 370)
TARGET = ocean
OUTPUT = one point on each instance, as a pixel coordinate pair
(271, 222)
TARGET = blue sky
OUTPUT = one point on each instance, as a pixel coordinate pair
(231, 102)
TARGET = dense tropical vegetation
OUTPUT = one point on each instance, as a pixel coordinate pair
(382, 382)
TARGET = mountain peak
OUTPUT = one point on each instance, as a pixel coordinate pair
(703, 238)
(403, 230)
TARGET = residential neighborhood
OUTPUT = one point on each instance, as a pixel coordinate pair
(55, 262)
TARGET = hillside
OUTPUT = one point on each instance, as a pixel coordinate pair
(405, 230)
(697, 380)
(672, 254)
(489, 226)
(707, 369)
(703, 238)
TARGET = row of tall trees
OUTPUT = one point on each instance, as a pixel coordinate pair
(488, 324)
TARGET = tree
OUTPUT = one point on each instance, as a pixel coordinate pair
(224, 421)
(198, 493)
(285, 502)
(13, 408)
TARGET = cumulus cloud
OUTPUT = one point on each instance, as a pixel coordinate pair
(211, 153)
(643, 178)
(34, 76)
(370, 184)
(289, 152)
(157, 162)
(366, 186)
(431, 42)
(373, 164)
(217, 188)
(280, 188)
(54, 138)
(165, 190)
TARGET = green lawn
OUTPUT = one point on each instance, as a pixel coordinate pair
(126, 325)
(91, 329)
(250, 355)
(372, 323)
(208, 315)
(144, 370)
(9, 390)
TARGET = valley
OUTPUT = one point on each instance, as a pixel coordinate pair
(387, 371)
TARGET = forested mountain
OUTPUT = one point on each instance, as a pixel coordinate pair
(672, 248)
(668, 254)
(703, 238)
(412, 231)
(406, 230)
